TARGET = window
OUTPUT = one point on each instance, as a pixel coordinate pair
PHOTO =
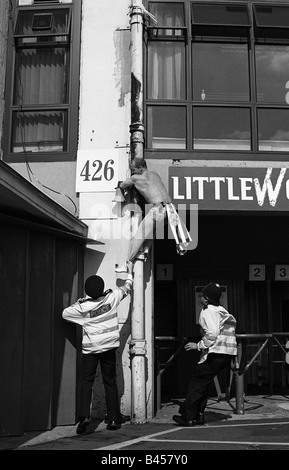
(166, 128)
(217, 79)
(44, 87)
(221, 128)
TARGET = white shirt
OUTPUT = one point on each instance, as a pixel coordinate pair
(218, 329)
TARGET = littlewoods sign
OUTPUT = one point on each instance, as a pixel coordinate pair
(252, 189)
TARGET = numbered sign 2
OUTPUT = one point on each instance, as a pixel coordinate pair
(97, 170)
(257, 272)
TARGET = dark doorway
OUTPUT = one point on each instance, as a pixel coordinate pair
(227, 246)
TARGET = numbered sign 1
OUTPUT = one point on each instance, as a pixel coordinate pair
(257, 272)
(164, 272)
(282, 272)
(97, 170)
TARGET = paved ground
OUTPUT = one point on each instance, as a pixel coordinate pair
(263, 426)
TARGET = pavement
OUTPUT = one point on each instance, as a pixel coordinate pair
(256, 409)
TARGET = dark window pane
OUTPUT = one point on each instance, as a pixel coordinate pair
(272, 65)
(273, 130)
(271, 16)
(236, 15)
(221, 128)
(220, 72)
(42, 76)
(166, 127)
(39, 131)
(166, 70)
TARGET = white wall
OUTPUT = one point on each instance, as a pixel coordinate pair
(104, 122)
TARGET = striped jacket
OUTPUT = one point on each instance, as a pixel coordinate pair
(218, 330)
(98, 318)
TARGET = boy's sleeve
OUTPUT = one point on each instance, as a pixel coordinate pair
(74, 313)
(124, 290)
(209, 323)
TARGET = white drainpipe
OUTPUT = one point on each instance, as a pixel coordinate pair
(138, 342)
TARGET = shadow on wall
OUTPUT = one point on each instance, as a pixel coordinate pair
(92, 261)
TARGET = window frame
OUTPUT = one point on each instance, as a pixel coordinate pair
(72, 105)
(191, 153)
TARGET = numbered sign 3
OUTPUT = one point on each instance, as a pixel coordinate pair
(282, 272)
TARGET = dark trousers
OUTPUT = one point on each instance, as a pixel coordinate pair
(89, 365)
(203, 375)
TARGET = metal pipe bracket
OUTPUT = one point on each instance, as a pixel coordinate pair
(137, 347)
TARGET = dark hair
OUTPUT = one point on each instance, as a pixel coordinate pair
(94, 286)
(139, 163)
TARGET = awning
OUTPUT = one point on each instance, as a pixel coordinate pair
(23, 203)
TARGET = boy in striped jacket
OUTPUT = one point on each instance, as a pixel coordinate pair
(218, 347)
(97, 314)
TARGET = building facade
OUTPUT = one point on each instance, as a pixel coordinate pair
(200, 89)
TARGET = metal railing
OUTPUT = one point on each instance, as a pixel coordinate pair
(239, 368)
(242, 366)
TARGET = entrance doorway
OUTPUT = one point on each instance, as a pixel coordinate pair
(227, 246)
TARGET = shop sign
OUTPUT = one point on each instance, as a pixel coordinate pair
(216, 188)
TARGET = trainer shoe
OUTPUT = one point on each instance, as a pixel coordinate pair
(82, 425)
(182, 421)
(113, 426)
(200, 418)
(123, 418)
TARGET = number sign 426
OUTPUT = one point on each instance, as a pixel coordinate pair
(97, 170)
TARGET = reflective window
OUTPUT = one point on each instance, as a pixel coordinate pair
(221, 128)
(222, 75)
(222, 14)
(273, 130)
(272, 73)
(166, 127)
(271, 16)
(220, 72)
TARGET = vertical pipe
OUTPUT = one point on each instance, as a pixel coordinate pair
(138, 344)
(158, 373)
(137, 125)
(239, 382)
(270, 343)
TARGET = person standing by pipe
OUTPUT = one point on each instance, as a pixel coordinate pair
(97, 314)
